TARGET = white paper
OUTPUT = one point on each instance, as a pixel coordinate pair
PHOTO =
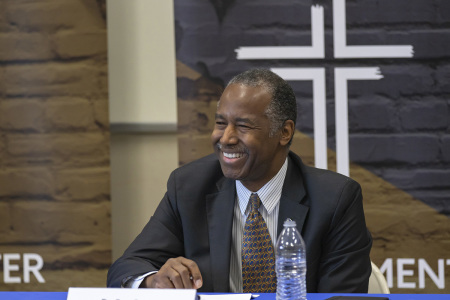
(129, 294)
(227, 297)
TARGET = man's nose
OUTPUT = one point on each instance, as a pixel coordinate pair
(229, 135)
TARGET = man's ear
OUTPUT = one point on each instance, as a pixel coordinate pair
(287, 132)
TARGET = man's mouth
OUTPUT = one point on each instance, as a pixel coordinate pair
(233, 155)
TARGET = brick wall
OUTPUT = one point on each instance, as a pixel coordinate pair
(399, 125)
(54, 141)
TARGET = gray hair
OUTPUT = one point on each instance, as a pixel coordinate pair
(283, 106)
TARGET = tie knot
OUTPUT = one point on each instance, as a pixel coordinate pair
(255, 202)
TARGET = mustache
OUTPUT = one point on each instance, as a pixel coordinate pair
(221, 147)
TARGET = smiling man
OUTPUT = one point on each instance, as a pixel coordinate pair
(201, 233)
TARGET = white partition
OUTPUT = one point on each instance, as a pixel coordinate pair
(142, 92)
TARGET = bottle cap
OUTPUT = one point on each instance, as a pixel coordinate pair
(289, 223)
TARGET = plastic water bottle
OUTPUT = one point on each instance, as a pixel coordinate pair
(290, 264)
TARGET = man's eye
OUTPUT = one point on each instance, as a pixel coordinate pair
(220, 123)
(244, 126)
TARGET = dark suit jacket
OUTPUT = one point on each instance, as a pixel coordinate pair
(194, 220)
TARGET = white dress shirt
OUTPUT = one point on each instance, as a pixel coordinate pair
(270, 195)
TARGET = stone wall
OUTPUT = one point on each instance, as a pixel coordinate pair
(399, 126)
(54, 141)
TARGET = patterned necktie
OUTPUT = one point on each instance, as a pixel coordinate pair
(258, 259)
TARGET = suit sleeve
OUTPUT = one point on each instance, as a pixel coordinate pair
(345, 264)
(161, 239)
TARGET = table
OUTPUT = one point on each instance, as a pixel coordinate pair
(63, 296)
(390, 296)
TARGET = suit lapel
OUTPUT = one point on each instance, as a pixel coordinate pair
(219, 207)
(291, 204)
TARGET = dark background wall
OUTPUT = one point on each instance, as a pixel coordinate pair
(399, 125)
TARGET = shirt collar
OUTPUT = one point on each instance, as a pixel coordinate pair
(269, 194)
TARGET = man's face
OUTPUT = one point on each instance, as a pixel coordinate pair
(241, 137)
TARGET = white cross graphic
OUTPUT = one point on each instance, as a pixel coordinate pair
(317, 76)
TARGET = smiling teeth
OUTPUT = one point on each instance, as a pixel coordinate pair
(232, 155)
